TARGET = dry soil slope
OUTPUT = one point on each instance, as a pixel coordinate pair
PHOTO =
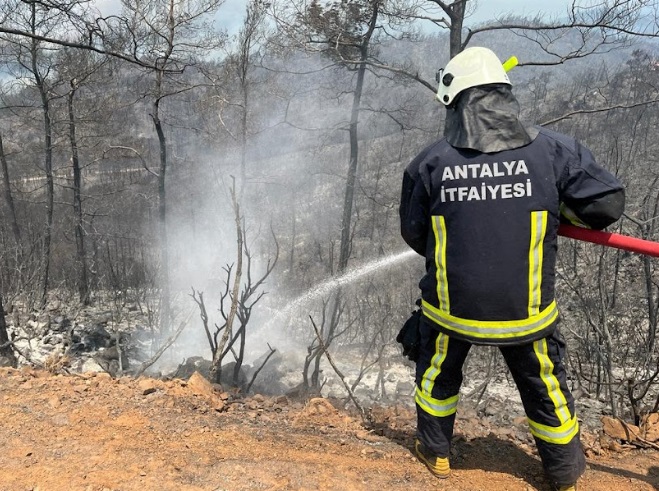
(93, 433)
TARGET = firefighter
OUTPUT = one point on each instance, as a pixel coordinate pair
(483, 206)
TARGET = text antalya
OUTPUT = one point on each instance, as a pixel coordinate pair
(485, 191)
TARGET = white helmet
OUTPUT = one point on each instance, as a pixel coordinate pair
(474, 66)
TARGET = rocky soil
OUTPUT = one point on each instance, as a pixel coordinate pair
(94, 433)
(76, 423)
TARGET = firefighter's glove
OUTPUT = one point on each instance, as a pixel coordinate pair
(409, 336)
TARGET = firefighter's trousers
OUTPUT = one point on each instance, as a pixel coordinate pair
(540, 377)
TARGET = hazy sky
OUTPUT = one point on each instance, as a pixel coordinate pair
(489, 9)
(231, 13)
(233, 10)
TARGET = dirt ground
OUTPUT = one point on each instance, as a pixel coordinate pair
(90, 432)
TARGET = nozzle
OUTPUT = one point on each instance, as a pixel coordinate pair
(510, 63)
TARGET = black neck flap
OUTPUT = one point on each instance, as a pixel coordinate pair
(486, 119)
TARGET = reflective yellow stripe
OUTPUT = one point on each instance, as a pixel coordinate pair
(538, 231)
(439, 229)
(423, 397)
(492, 329)
(571, 216)
(560, 435)
(551, 382)
(435, 368)
(436, 407)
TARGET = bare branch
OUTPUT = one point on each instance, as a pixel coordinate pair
(139, 155)
(258, 370)
(366, 417)
(598, 110)
(163, 348)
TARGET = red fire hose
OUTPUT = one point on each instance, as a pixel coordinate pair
(609, 239)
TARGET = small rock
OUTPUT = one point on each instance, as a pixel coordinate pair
(80, 388)
(54, 402)
(54, 305)
(90, 365)
(619, 430)
(147, 386)
(504, 432)
(368, 436)
(200, 386)
(650, 427)
(61, 419)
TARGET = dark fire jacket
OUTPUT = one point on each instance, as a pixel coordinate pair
(487, 225)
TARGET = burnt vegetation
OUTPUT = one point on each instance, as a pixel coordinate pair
(148, 154)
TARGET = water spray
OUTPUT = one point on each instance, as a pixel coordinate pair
(333, 283)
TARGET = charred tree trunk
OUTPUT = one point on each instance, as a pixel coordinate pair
(216, 365)
(48, 162)
(255, 14)
(162, 217)
(456, 12)
(237, 368)
(327, 335)
(83, 280)
(243, 141)
(346, 221)
(9, 199)
(7, 357)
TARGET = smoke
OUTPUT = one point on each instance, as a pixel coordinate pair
(296, 162)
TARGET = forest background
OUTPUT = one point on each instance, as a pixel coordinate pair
(242, 191)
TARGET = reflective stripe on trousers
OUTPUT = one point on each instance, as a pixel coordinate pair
(424, 389)
(568, 425)
(540, 377)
